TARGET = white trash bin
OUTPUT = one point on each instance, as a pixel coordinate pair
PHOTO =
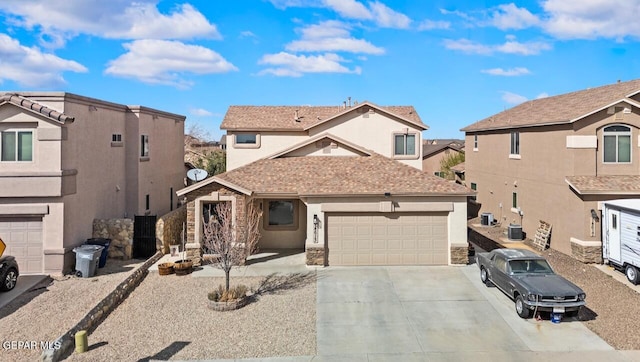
(87, 259)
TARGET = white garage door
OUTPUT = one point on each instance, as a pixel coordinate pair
(23, 237)
(387, 239)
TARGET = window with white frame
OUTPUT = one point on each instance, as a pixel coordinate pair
(475, 142)
(116, 137)
(281, 215)
(144, 145)
(474, 187)
(246, 138)
(16, 146)
(617, 144)
(404, 144)
(515, 143)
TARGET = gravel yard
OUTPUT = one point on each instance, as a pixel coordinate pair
(613, 309)
(46, 313)
(167, 317)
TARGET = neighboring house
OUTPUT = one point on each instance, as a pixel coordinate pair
(433, 152)
(67, 160)
(555, 159)
(344, 184)
(223, 142)
(458, 171)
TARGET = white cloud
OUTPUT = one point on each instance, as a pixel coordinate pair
(118, 19)
(331, 36)
(165, 62)
(467, 46)
(529, 48)
(376, 11)
(349, 9)
(509, 16)
(513, 98)
(592, 19)
(30, 67)
(291, 65)
(387, 17)
(506, 72)
(431, 24)
(510, 46)
(542, 95)
(200, 112)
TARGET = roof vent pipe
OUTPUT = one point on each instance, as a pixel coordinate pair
(297, 118)
(349, 99)
(344, 105)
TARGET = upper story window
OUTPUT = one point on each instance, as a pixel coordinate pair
(246, 140)
(116, 137)
(144, 145)
(475, 142)
(404, 144)
(515, 143)
(17, 146)
(617, 144)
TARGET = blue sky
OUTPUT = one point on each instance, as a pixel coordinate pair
(455, 61)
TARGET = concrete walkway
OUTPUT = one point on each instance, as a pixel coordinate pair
(435, 314)
(24, 284)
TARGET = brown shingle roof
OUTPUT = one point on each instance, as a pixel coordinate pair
(283, 117)
(563, 108)
(613, 184)
(35, 107)
(338, 175)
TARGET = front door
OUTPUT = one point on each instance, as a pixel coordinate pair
(613, 234)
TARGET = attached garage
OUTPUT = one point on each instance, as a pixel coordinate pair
(23, 237)
(387, 238)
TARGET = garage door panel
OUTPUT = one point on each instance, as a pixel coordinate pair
(387, 239)
(23, 238)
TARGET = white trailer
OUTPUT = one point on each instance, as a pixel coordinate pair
(621, 236)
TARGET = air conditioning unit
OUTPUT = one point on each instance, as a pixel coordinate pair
(514, 232)
(486, 218)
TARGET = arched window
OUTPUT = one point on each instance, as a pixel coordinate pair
(617, 144)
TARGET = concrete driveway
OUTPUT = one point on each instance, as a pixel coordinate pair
(441, 313)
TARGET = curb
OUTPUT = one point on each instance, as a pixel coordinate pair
(100, 312)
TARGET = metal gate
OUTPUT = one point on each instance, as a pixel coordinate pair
(144, 236)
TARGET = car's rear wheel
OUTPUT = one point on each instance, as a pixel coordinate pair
(484, 276)
(521, 308)
(9, 279)
(632, 274)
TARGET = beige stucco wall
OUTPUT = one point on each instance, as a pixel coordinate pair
(373, 131)
(270, 143)
(317, 150)
(100, 181)
(284, 239)
(539, 175)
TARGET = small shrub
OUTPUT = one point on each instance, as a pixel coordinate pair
(234, 293)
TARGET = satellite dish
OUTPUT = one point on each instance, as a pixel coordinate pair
(197, 174)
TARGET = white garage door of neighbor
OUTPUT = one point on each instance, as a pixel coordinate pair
(23, 237)
(387, 239)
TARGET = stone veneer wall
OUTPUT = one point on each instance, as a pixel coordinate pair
(195, 253)
(169, 229)
(92, 320)
(587, 251)
(315, 256)
(120, 231)
(460, 254)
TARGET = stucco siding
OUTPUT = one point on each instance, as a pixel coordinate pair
(270, 143)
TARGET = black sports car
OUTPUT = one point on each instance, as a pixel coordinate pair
(8, 273)
(528, 279)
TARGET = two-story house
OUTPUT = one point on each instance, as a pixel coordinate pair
(343, 183)
(555, 159)
(435, 151)
(67, 160)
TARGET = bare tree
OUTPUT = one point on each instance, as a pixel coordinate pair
(231, 242)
